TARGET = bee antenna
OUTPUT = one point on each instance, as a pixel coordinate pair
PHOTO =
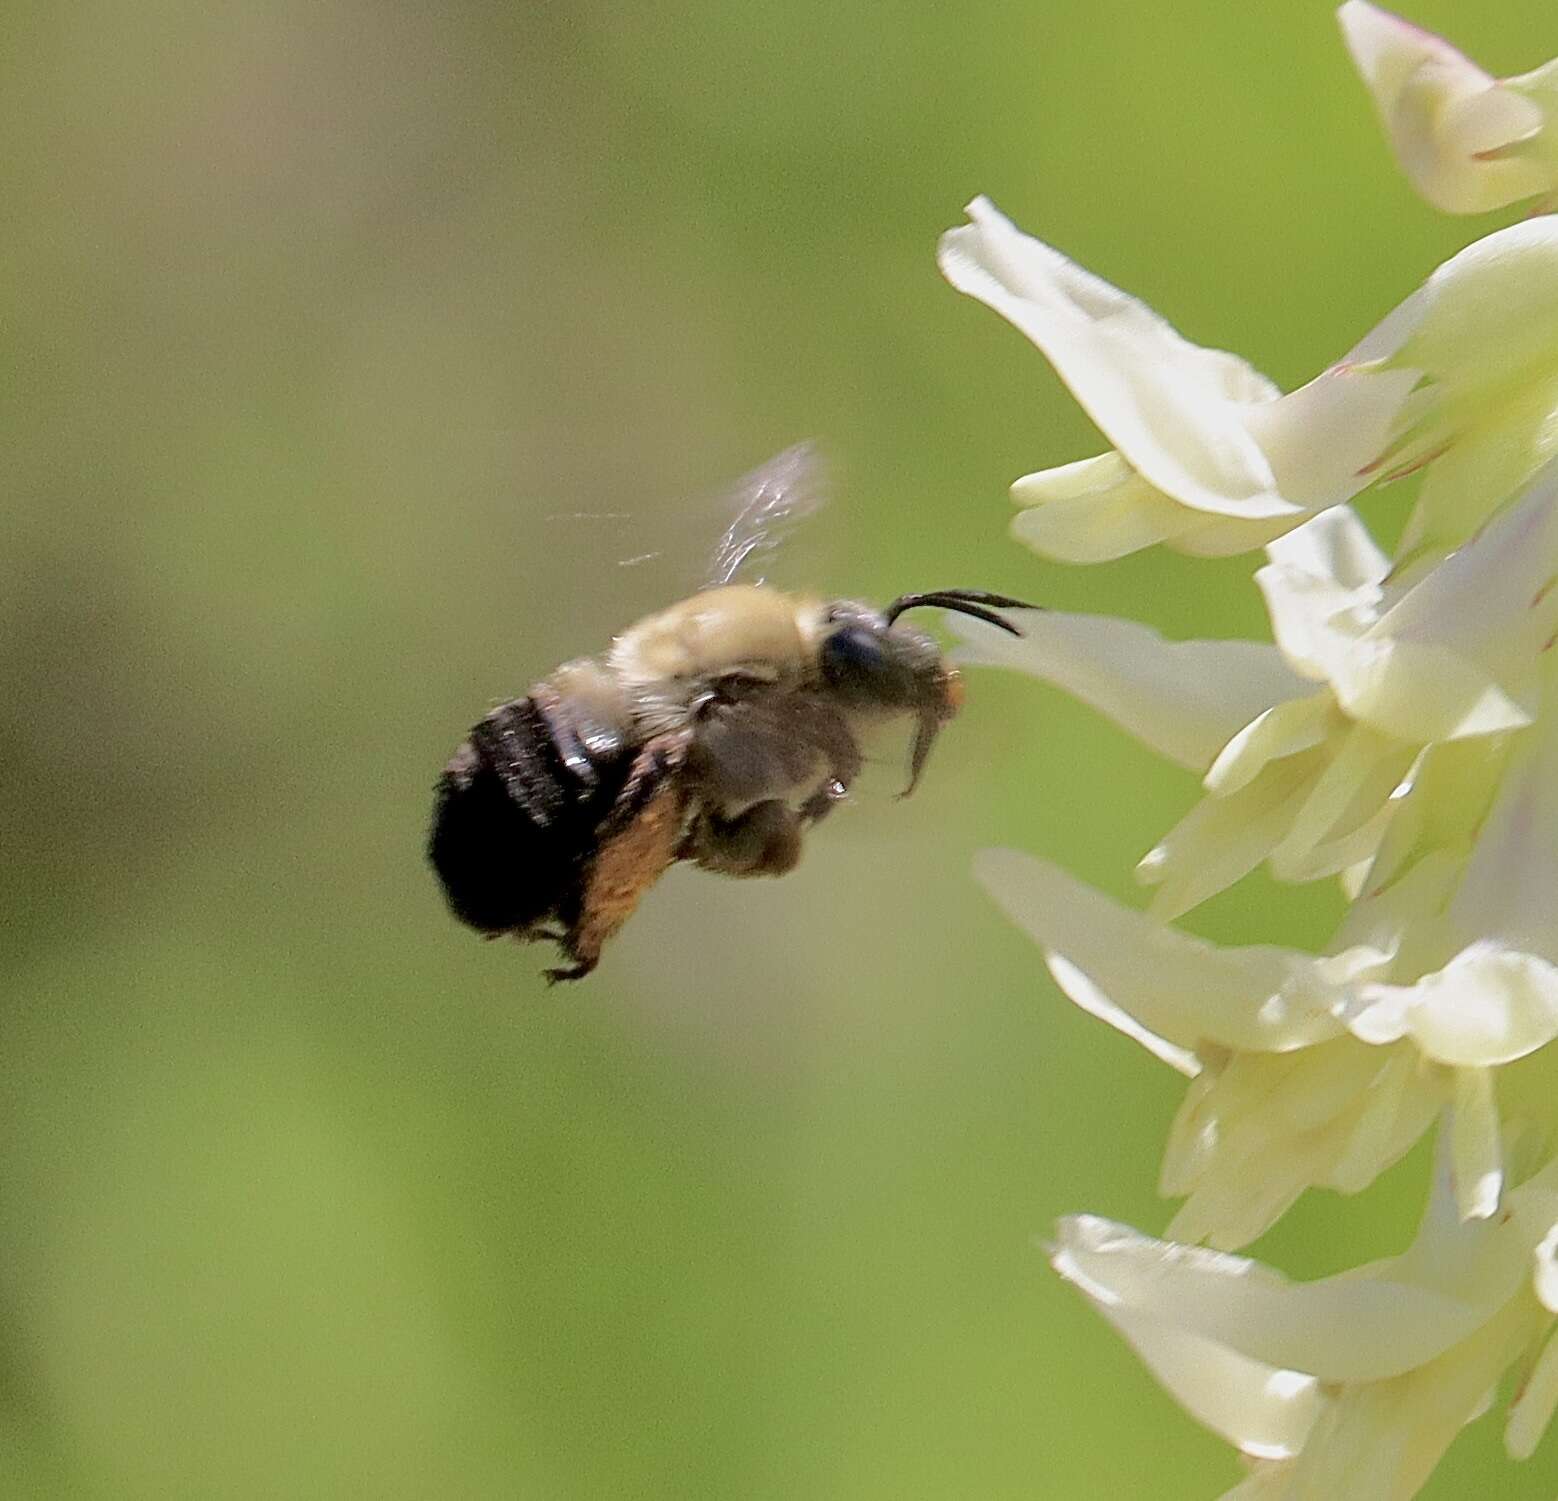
(962, 602)
(985, 597)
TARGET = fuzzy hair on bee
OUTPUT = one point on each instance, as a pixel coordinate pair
(717, 731)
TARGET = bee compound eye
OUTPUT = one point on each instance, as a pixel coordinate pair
(869, 667)
(852, 654)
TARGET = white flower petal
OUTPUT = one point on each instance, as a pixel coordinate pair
(1335, 548)
(1345, 1328)
(1442, 114)
(1239, 1202)
(1095, 510)
(1192, 1140)
(1458, 655)
(1169, 407)
(1092, 1000)
(1283, 730)
(1323, 590)
(1265, 1482)
(1475, 1146)
(1222, 839)
(1533, 1407)
(1494, 451)
(1380, 1441)
(1487, 314)
(1461, 653)
(1545, 1275)
(1225, 536)
(1489, 1005)
(1420, 691)
(1399, 1108)
(1437, 815)
(1507, 892)
(1251, 1136)
(1178, 988)
(1183, 699)
(1353, 878)
(1262, 1410)
(1323, 439)
(1345, 849)
(1341, 819)
(1482, 333)
(1388, 1361)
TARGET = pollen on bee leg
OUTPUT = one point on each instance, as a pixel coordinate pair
(953, 692)
(627, 865)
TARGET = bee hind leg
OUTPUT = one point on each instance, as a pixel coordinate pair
(639, 838)
(542, 933)
(570, 971)
(652, 769)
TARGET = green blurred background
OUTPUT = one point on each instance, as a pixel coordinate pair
(317, 317)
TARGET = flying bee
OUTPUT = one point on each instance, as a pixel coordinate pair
(717, 731)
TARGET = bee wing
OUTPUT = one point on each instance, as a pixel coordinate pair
(768, 504)
(650, 548)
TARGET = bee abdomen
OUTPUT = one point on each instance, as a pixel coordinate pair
(513, 821)
(515, 743)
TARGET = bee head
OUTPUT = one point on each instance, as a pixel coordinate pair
(871, 663)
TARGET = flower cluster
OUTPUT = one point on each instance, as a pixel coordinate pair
(1400, 733)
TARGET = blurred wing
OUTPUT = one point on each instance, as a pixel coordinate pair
(768, 504)
(655, 548)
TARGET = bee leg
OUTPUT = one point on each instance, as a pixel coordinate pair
(660, 758)
(824, 800)
(570, 971)
(844, 763)
(638, 840)
(765, 840)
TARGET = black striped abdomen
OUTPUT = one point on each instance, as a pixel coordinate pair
(515, 816)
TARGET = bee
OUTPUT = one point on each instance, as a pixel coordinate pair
(717, 731)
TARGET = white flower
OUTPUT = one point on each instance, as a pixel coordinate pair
(1462, 890)
(1310, 781)
(1349, 1388)
(1416, 765)
(1401, 733)
(1311, 784)
(1321, 1072)
(1211, 458)
(1469, 142)
(1422, 767)
(1482, 332)
(1281, 1098)
(1489, 1005)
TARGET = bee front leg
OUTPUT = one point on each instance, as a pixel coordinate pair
(824, 800)
(844, 763)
